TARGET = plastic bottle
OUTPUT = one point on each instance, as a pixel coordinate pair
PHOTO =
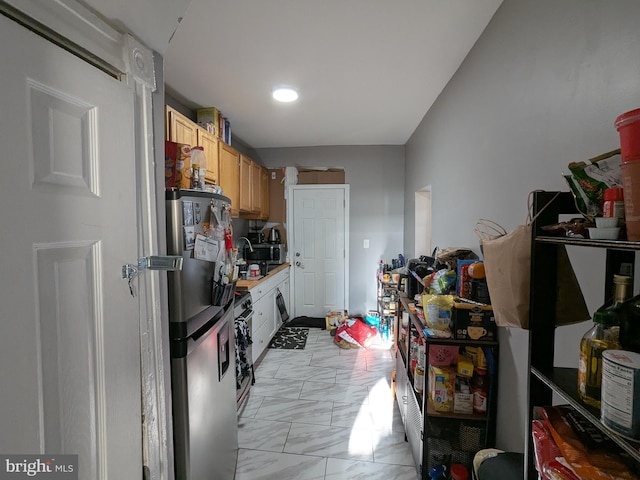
(613, 203)
(602, 336)
(480, 390)
(438, 472)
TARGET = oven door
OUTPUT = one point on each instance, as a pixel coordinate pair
(245, 375)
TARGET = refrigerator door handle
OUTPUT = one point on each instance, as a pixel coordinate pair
(170, 263)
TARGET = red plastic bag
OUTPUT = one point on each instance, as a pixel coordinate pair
(357, 330)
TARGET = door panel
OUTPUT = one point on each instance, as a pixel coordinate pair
(319, 248)
(70, 361)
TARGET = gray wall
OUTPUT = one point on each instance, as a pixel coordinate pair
(541, 88)
(376, 178)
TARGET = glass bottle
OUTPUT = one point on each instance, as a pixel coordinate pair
(621, 295)
(602, 336)
(630, 325)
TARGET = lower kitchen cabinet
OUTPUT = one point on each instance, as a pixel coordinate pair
(266, 315)
(437, 431)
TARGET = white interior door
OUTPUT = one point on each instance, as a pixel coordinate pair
(319, 253)
(70, 346)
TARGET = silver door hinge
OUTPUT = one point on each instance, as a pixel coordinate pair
(170, 263)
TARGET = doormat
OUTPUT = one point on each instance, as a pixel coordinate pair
(290, 338)
(307, 322)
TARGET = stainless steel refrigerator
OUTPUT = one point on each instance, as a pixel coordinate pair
(203, 383)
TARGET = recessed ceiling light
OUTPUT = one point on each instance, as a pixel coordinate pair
(285, 94)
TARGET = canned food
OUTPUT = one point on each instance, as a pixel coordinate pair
(619, 409)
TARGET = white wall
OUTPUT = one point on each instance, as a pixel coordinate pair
(541, 88)
(376, 178)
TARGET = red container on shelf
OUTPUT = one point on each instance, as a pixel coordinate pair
(628, 126)
(613, 203)
(459, 472)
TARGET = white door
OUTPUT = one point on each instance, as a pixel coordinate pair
(319, 254)
(70, 347)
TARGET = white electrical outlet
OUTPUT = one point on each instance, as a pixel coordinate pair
(366, 244)
(273, 175)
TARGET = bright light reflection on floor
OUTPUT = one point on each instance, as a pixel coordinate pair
(374, 420)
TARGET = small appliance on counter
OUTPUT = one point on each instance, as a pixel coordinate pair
(273, 254)
(274, 236)
(256, 232)
(256, 237)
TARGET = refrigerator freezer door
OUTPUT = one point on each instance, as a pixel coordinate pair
(204, 401)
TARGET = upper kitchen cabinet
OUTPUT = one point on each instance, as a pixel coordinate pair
(182, 130)
(260, 194)
(229, 162)
(209, 144)
(246, 184)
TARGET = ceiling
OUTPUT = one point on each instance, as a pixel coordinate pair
(366, 71)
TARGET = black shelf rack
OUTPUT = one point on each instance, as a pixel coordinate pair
(437, 425)
(544, 377)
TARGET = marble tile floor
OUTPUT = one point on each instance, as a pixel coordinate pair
(323, 413)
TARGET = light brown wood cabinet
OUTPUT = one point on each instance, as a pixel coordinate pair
(182, 130)
(209, 144)
(262, 195)
(229, 159)
(246, 184)
(256, 188)
(243, 181)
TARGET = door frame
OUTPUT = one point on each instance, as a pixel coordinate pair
(72, 26)
(291, 245)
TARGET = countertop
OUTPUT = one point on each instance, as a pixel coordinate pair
(243, 285)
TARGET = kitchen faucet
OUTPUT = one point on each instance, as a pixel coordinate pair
(248, 243)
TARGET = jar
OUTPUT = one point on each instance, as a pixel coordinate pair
(480, 390)
(254, 270)
(613, 203)
(418, 379)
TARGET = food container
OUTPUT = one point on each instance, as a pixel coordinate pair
(611, 233)
(620, 388)
(606, 222)
(628, 126)
(254, 270)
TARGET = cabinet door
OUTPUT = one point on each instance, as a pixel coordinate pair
(228, 159)
(180, 128)
(245, 183)
(209, 144)
(263, 323)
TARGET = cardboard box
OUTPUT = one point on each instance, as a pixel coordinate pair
(177, 165)
(473, 322)
(310, 176)
(442, 387)
(209, 118)
(463, 398)
(334, 318)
